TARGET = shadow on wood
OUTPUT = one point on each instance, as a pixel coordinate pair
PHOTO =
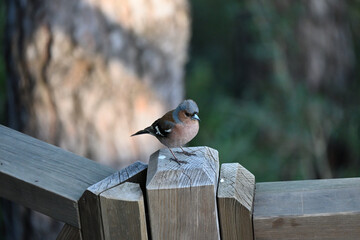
(69, 232)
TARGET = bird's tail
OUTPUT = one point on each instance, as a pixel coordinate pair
(145, 131)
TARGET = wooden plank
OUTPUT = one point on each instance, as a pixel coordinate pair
(311, 209)
(69, 232)
(182, 198)
(235, 201)
(90, 210)
(123, 212)
(43, 177)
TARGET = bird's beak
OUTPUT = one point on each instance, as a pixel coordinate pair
(195, 117)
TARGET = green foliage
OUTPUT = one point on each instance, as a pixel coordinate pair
(266, 120)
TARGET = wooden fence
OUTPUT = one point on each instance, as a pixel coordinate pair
(164, 200)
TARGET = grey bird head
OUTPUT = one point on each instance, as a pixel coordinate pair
(190, 107)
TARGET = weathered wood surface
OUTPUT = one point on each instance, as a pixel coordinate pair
(235, 201)
(43, 177)
(123, 213)
(90, 210)
(182, 198)
(69, 232)
(310, 209)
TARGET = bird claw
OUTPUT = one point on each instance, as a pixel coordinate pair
(178, 161)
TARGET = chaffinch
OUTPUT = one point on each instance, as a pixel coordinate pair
(176, 127)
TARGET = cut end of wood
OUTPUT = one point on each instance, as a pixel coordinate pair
(201, 168)
(127, 191)
(238, 183)
(235, 201)
(123, 175)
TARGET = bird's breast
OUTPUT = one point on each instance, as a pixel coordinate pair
(181, 134)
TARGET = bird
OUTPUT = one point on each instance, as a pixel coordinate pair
(176, 128)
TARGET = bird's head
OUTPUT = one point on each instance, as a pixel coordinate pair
(187, 111)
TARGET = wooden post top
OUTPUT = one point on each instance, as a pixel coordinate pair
(130, 173)
(201, 168)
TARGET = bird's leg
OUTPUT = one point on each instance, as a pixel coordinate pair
(186, 153)
(175, 158)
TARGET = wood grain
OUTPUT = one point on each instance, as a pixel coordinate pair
(235, 201)
(43, 177)
(90, 210)
(123, 213)
(182, 198)
(311, 209)
(69, 232)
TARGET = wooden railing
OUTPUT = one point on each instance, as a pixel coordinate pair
(164, 200)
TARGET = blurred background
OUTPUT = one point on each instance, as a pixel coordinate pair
(277, 83)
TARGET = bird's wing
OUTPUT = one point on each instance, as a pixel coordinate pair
(163, 126)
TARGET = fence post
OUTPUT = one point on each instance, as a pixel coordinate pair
(123, 212)
(182, 198)
(89, 204)
(236, 200)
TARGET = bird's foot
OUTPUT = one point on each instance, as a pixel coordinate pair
(178, 161)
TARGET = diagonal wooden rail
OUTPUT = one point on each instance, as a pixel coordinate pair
(44, 177)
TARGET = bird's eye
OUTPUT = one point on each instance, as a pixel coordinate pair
(187, 114)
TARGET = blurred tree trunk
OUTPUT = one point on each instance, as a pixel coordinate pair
(85, 75)
(325, 41)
